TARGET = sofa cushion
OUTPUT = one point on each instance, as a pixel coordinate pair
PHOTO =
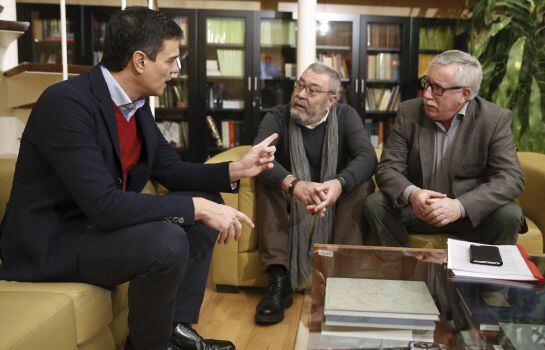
(32, 320)
(7, 168)
(92, 304)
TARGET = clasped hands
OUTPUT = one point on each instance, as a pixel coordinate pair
(317, 196)
(434, 208)
(226, 220)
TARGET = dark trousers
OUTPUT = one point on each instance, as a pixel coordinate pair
(167, 267)
(272, 221)
(392, 225)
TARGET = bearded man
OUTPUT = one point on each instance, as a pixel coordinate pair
(316, 189)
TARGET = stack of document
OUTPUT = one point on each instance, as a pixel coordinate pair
(516, 263)
(379, 309)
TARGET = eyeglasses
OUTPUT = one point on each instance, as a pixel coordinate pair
(312, 91)
(438, 90)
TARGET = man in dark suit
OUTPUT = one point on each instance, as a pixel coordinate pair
(449, 164)
(76, 212)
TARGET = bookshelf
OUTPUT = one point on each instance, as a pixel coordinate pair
(238, 65)
(385, 60)
(336, 43)
(431, 37)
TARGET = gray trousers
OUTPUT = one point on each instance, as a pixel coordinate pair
(272, 221)
(392, 225)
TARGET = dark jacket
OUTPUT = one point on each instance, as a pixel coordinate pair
(356, 160)
(68, 178)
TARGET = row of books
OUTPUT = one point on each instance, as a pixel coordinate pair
(225, 31)
(50, 29)
(182, 22)
(384, 35)
(339, 62)
(436, 38)
(175, 96)
(382, 99)
(218, 98)
(229, 63)
(230, 134)
(335, 34)
(277, 32)
(384, 309)
(176, 133)
(424, 60)
(377, 131)
(383, 66)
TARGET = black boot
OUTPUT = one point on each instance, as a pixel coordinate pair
(278, 297)
(186, 338)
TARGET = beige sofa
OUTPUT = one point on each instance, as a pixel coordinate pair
(237, 264)
(58, 316)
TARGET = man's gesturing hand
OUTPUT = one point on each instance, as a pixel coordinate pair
(260, 157)
(223, 218)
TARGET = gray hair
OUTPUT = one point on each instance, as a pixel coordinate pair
(469, 74)
(334, 79)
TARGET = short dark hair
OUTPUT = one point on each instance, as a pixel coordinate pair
(136, 28)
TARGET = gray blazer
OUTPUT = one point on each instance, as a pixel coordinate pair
(484, 172)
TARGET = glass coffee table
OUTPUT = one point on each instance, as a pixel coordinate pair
(474, 314)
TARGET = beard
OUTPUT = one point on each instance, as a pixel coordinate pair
(311, 116)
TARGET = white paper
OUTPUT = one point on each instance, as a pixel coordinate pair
(514, 266)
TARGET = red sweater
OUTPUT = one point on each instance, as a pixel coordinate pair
(130, 142)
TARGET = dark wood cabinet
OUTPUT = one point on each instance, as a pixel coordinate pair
(237, 65)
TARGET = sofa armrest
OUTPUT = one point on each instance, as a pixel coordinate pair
(532, 199)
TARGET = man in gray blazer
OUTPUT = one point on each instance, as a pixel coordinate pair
(449, 164)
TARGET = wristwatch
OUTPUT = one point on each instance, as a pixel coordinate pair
(343, 183)
(292, 184)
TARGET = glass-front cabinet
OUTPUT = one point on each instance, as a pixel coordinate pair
(274, 63)
(431, 37)
(42, 43)
(384, 64)
(335, 42)
(225, 70)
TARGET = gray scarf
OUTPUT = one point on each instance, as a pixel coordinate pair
(306, 229)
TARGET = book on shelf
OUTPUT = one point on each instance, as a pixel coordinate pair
(438, 38)
(383, 66)
(174, 96)
(383, 99)
(231, 133)
(424, 60)
(231, 62)
(225, 31)
(211, 123)
(384, 35)
(175, 133)
(277, 32)
(379, 298)
(183, 23)
(377, 131)
(340, 63)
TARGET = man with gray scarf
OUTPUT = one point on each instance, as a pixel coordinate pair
(316, 189)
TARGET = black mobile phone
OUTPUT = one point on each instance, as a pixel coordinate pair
(485, 254)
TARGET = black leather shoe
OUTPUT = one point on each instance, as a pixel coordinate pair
(278, 297)
(186, 338)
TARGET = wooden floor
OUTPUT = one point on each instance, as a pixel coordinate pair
(231, 316)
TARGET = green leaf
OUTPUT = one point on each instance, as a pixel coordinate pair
(511, 78)
(480, 46)
(535, 116)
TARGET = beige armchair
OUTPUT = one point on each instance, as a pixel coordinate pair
(58, 316)
(237, 264)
